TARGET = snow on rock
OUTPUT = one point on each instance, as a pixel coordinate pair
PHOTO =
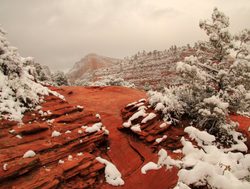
(79, 154)
(79, 107)
(136, 128)
(207, 164)
(29, 154)
(159, 140)
(5, 166)
(61, 161)
(149, 166)
(131, 104)
(126, 124)
(142, 100)
(199, 136)
(94, 128)
(112, 174)
(163, 125)
(12, 131)
(70, 157)
(106, 131)
(140, 113)
(67, 132)
(98, 116)
(55, 134)
(79, 131)
(149, 117)
(19, 136)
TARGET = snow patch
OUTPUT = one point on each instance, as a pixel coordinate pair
(112, 174)
(56, 134)
(149, 166)
(29, 154)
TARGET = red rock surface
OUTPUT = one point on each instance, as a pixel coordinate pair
(151, 130)
(43, 170)
(127, 152)
(244, 124)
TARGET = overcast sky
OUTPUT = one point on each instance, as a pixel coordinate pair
(60, 32)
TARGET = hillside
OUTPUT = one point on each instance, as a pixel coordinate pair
(86, 67)
(144, 69)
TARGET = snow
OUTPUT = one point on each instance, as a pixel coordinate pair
(136, 128)
(131, 104)
(94, 128)
(19, 136)
(217, 102)
(106, 131)
(206, 164)
(29, 154)
(51, 120)
(56, 134)
(61, 161)
(70, 157)
(19, 91)
(112, 174)
(126, 124)
(79, 107)
(5, 166)
(199, 136)
(149, 166)
(98, 116)
(79, 131)
(79, 154)
(12, 131)
(149, 117)
(140, 113)
(163, 125)
(67, 132)
(142, 100)
(159, 140)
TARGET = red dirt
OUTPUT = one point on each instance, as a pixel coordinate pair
(126, 152)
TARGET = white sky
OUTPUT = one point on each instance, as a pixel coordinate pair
(60, 32)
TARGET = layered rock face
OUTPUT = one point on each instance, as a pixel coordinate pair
(64, 153)
(67, 160)
(153, 131)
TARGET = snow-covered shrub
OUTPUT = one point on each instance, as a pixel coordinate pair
(40, 72)
(220, 40)
(207, 164)
(168, 103)
(107, 81)
(210, 86)
(19, 91)
(59, 78)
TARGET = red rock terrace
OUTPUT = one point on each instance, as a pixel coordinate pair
(65, 154)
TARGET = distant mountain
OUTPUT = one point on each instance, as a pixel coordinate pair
(87, 66)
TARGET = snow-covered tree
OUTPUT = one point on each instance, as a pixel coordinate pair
(40, 72)
(211, 85)
(19, 91)
(60, 78)
(220, 40)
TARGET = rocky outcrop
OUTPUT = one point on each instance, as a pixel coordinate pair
(152, 131)
(68, 160)
(62, 160)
